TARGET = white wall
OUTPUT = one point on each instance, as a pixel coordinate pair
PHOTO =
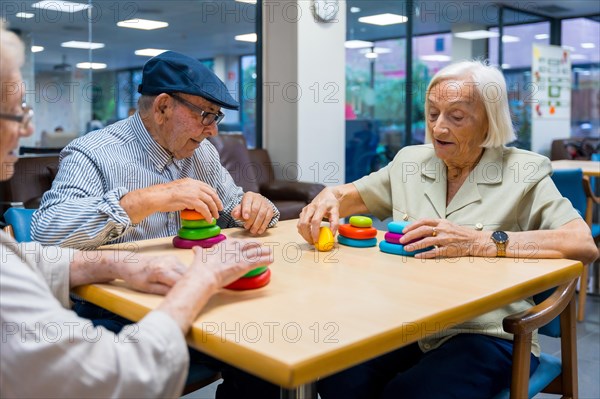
(304, 90)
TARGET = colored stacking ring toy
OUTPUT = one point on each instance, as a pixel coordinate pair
(199, 234)
(397, 227)
(251, 283)
(358, 233)
(396, 249)
(197, 224)
(190, 214)
(182, 243)
(394, 238)
(256, 272)
(350, 242)
(361, 221)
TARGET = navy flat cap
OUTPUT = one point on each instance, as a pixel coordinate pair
(171, 72)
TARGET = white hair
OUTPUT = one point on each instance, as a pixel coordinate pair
(490, 87)
(11, 53)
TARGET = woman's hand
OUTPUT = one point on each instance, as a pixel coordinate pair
(447, 239)
(152, 274)
(326, 204)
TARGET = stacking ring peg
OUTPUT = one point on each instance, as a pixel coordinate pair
(434, 232)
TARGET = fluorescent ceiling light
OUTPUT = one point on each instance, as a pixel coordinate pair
(383, 19)
(37, 49)
(357, 44)
(579, 57)
(376, 50)
(91, 65)
(510, 39)
(570, 48)
(25, 15)
(246, 1)
(354, 10)
(371, 55)
(248, 37)
(82, 45)
(542, 36)
(143, 24)
(435, 57)
(149, 52)
(505, 66)
(62, 6)
(588, 45)
(476, 34)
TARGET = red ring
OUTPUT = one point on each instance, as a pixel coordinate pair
(357, 233)
(251, 283)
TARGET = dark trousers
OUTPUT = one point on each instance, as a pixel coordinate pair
(236, 383)
(466, 366)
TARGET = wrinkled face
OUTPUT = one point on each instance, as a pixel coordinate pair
(11, 131)
(457, 121)
(183, 129)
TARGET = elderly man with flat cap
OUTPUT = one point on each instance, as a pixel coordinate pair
(128, 181)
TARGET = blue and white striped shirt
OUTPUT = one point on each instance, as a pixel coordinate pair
(82, 209)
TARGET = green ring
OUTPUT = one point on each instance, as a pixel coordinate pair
(199, 234)
(255, 272)
(361, 221)
(197, 224)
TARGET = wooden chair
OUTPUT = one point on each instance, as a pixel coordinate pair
(553, 375)
(583, 198)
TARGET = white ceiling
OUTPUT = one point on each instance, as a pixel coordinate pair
(204, 29)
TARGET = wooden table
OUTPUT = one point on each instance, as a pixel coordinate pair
(325, 312)
(590, 168)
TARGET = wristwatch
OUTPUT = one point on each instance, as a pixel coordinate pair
(500, 238)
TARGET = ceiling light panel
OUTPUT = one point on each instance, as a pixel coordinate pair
(82, 45)
(383, 19)
(62, 6)
(143, 24)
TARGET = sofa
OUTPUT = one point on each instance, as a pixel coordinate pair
(574, 148)
(253, 171)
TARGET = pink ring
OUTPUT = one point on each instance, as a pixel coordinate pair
(182, 243)
(394, 238)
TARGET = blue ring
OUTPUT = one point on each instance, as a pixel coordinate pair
(398, 249)
(397, 226)
(351, 242)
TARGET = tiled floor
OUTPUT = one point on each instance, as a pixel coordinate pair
(588, 351)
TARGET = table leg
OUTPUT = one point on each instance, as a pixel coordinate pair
(307, 391)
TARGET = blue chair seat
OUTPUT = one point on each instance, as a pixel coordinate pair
(547, 371)
(20, 220)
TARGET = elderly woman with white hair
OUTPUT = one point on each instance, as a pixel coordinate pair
(465, 194)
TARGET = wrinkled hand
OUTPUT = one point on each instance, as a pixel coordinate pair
(229, 260)
(255, 211)
(170, 197)
(448, 239)
(323, 205)
(152, 274)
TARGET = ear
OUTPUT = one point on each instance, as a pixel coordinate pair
(162, 107)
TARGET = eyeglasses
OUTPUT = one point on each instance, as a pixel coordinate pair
(208, 118)
(24, 119)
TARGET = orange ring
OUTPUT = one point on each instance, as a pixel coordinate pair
(357, 233)
(190, 214)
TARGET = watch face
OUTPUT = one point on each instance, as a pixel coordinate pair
(499, 236)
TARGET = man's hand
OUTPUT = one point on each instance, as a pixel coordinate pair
(152, 274)
(255, 211)
(174, 196)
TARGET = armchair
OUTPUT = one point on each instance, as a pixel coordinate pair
(253, 171)
(553, 375)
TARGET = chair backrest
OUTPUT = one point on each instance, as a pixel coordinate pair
(20, 220)
(570, 184)
(593, 180)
